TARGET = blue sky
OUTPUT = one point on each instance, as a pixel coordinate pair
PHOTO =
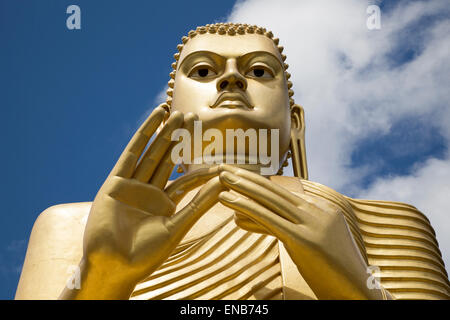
(70, 100)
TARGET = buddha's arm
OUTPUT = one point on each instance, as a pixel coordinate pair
(54, 250)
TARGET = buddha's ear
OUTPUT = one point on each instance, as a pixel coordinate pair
(297, 117)
(298, 149)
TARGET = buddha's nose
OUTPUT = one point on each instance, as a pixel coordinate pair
(231, 78)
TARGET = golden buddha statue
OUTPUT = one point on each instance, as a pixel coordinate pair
(225, 231)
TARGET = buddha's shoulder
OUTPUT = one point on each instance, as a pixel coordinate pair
(373, 214)
(320, 189)
(64, 214)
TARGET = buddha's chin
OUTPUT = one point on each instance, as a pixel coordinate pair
(232, 119)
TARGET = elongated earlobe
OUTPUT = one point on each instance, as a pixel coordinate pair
(297, 145)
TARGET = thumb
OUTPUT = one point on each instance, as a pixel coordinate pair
(205, 198)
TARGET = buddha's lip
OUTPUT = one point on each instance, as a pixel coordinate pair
(226, 100)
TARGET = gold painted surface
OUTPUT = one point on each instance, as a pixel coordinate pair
(231, 263)
(400, 240)
(224, 261)
(226, 232)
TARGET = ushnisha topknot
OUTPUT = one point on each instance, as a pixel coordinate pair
(227, 29)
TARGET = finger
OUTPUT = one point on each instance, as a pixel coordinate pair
(262, 181)
(165, 167)
(126, 164)
(177, 189)
(139, 195)
(275, 224)
(301, 201)
(158, 148)
(248, 224)
(206, 197)
(264, 196)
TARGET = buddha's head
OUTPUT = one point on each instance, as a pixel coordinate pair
(233, 76)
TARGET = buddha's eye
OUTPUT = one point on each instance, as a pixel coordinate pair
(259, 72)
(202, 72)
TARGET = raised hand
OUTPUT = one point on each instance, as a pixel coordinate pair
(132, 226)
(313, 231)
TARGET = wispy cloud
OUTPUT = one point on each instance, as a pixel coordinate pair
(160, 98)
(11, 258)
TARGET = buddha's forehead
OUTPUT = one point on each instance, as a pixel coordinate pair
(230, 46)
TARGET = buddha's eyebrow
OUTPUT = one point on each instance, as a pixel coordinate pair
(247, 55)
(266, 53)
(202, 52)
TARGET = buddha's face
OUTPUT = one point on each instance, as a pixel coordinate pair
(234, 82)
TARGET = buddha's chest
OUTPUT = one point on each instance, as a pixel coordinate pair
(225, 263)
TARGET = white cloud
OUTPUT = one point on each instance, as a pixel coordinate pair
(351, 88)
